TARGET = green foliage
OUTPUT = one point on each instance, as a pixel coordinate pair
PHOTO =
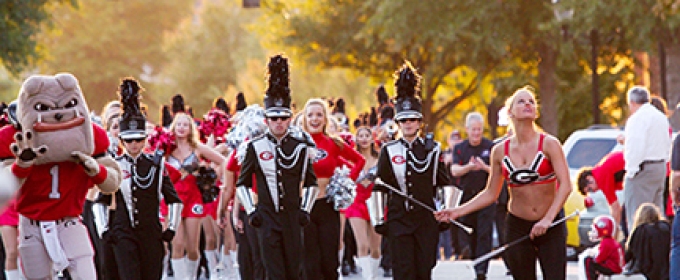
(21, 21)
(104, 41)
(375, 37)
(208, 52)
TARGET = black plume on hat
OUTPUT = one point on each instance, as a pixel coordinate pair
(178, 104)
(241, 102)
(381, 95)
(373, 117)
(277, 96)
(407, 103)
(221, 104)
(339, 106)
(133, 122)
(166, 116)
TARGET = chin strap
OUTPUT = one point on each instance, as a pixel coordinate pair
(309, 195)
(376, 207)
(100, 211)
(174, 215)
(248, 199)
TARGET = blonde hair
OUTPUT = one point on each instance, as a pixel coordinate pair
(647, 213)
(111, 110)
(511, 101)
(192, 138)
(326, 115)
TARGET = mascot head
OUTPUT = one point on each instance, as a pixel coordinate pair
(54, 109)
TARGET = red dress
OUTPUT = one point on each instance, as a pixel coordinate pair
(358, 208)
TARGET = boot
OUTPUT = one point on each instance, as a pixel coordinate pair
(192, 268)
(366, 267)
(179, 268)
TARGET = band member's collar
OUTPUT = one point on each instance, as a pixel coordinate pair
(417, 140)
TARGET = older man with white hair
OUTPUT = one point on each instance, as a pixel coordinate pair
(648, 143)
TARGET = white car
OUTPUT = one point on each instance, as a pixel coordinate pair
(586, 147)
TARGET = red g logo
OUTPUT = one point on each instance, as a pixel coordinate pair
(126, 174)
(266, 155)
(398, 159)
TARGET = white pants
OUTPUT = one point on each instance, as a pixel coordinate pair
(75, 242)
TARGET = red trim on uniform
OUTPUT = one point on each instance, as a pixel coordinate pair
(21, 172)
(101, 176)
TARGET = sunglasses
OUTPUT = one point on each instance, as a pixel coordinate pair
(275, 119)
(134, 140)
(409, 120)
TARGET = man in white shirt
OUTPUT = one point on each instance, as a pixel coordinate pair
(648, 143)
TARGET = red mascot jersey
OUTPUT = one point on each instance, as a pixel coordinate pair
(53, 191)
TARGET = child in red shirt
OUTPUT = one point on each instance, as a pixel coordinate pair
(605, 258)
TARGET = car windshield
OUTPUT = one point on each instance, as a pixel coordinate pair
(589, 151)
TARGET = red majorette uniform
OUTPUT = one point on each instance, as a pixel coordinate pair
(358, 208)
(322, 235)
(187, 188)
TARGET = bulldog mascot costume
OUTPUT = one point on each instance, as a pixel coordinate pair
(56, 155)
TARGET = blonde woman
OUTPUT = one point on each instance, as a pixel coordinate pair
(322, 235)
(185, 158)
(649, 245)
(535, 168)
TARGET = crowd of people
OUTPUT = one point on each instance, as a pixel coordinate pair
(263, 192)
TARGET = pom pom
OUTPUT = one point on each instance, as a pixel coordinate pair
(163, 140)
(215, 123)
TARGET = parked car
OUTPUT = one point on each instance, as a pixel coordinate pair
(586, 147)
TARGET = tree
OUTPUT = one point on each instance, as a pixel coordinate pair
(656, 28)
(208, 52)
(104, 41)
(22, 21)
(375, 37)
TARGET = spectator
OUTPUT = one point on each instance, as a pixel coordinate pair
(471, 163)
(647, 150)
(648, 247)
(605, 258)
(606, 176)
(448, 239)
(674, 190)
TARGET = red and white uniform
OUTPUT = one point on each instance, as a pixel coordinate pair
(50, 202)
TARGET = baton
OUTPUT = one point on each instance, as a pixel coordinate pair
(427, 207)
(502, 249)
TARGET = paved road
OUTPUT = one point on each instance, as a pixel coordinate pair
(446, 270)
(459, 270)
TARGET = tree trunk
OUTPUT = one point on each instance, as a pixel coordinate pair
(547, 88)
(673, 80)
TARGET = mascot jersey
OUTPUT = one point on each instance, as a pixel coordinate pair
(57, 190)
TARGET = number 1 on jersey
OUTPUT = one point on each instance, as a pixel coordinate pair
(54, 193)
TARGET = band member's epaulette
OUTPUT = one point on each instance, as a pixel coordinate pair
(302, 136)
